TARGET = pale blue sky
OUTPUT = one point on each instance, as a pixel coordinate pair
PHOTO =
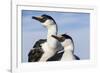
(77, 25)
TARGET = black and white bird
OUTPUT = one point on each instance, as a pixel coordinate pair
(45, 48)
(68, 45)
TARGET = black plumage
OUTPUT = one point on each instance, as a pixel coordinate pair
(36, 53)
(76, 57)
(39, 42)
(56, 57)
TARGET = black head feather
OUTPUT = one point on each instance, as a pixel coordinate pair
(66, 36)
(44, 18)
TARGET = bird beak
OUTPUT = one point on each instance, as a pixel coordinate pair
(39, 18)
(59, 38)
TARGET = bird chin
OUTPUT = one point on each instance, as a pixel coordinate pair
(44, 25)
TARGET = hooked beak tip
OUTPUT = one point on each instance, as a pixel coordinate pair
(33, 17)
(52, 35)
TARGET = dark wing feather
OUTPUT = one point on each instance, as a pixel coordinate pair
(76, 57)
(56, 57)
(39, 42)
(36, 53)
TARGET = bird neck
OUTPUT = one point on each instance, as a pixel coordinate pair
(68, 53)
(52, 42)
(69, 48)
(52, 30)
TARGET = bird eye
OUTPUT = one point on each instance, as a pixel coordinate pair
(44, 19)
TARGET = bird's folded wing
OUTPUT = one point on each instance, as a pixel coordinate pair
(57, 56)
(35, 55)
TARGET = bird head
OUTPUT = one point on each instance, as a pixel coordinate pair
(64, 39)
(46, 20)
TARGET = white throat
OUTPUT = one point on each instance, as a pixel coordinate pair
(52, 42)
(52, 30)
(68, 52)
(51, 27)
(68, 45)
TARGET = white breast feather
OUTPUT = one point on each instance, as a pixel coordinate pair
(48, 52)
